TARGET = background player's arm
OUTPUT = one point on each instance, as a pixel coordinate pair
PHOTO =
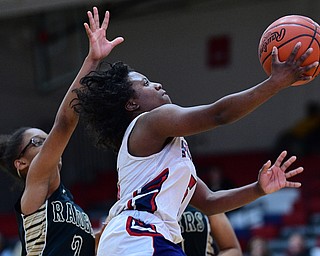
(224, 235)
(98, 234)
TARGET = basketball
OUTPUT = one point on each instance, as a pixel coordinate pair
(285, 33)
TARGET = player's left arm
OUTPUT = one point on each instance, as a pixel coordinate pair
(173, 121)
(270, 179)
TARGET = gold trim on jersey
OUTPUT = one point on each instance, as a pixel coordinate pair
(35, 226)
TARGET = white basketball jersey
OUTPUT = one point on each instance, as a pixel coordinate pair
(155, 189)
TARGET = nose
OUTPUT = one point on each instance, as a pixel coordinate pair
(158, 86)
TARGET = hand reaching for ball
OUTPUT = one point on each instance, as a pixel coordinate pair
(292, 60)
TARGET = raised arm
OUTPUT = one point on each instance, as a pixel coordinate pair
(270, 179)
(224, 235)
(43, 175)
(170, 121)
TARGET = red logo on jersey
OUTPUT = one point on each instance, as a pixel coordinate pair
(185, 152)
(192, 183)
(144, 199)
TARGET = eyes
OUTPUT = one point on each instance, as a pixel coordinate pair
(34, 141)
(146, 82)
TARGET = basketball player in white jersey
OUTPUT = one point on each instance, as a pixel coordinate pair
(135, 117)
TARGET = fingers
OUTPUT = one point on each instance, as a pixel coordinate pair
(309, 67)
(274, 54)
(304, 56)
(294, 172)
(91, 20)
(96, 17)
(280, 158)
(301, 59)
(95, 22)
(265, 167)
(105, 22)
(117, 41)
(293, 184)
(294, 53)
(290, 184)
(88, 30)
(289, 162)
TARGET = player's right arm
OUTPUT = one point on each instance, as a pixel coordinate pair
(43, 177)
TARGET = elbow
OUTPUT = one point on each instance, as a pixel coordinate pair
(220, 120)
(206, 205)
(224, 117)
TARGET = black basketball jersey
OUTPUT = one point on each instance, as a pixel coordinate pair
(58, 228)
(195, 229)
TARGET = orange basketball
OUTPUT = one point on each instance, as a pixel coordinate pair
(285, 33)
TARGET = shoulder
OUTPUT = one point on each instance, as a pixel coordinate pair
(165, 109)
(160, 114)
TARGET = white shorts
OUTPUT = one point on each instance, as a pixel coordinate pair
(126, 235)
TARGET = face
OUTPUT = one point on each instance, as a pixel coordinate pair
(148, 95)
(32, 141)
(31, 144)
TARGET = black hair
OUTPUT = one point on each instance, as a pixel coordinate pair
(10, 146)
(101, 104)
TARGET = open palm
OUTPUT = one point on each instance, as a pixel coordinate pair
(100, 46)
(273, 178)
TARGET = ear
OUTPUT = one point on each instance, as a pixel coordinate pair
(131, 105)
(20, 164)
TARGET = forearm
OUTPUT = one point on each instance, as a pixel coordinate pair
(235, 106)
(227, 200)
(210, 202)
(66, 115)
(99, 48)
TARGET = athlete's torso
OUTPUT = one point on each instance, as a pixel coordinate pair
(161, 184)
(58, 227)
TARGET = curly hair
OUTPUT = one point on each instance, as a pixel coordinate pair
(10, 145)
(101, 104)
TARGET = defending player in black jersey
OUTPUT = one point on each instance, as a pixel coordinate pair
(50, 223)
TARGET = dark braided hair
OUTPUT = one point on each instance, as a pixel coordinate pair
(101, 104)
(10, 146)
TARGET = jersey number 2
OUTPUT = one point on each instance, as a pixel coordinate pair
(76, 245)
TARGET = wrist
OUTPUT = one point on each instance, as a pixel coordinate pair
(277, 84)
(259, 190)
(93, 61)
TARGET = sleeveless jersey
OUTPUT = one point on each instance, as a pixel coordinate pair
(58, 227)
(197, 239)
(156, 189)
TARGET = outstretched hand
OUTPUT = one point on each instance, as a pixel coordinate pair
(100, 46)
(273, 178)
(291, 70)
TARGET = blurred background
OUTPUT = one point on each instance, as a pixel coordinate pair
(200, 51)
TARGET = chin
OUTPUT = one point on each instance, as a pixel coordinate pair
(60, 164)
(168, 100)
